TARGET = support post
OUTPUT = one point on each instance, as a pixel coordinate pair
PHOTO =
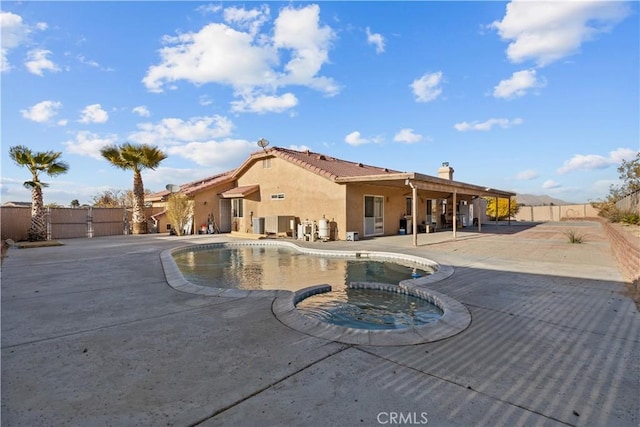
(454, 219)
(414, 214)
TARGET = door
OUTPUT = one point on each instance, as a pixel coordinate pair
(373, 215)
(225, 216)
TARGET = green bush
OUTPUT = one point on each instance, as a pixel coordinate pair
(630, 218)
(611, 212)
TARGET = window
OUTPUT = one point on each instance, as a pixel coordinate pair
(279, 196)
(236, 208)
(266, 163)
(409, 207)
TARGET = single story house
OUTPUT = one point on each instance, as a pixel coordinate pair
(279, 190)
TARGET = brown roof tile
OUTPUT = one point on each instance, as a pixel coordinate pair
(195, 186)
(328, 166)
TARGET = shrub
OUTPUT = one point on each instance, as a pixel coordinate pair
(630, 218)
(574, 236)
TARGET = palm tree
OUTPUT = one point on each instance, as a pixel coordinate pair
(135, 157)
(47, 162)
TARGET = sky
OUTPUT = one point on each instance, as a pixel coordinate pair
(532, 97)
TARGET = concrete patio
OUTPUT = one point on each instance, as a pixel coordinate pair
(92, 335)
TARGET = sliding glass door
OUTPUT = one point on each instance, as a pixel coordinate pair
(373, 215)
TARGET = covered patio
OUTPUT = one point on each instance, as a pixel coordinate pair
(447, 194)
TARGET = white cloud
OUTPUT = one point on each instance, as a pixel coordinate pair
(427, 88)
(38, 61)
(42, 112)
(237, 54)
(355, 139)
(204, 100)
(94, 114)
(89, 144)
(550, 184)
(174, 131)
(299, 147)
(14, 32)
(375, 39)
(527, 175)
(159, 177)
(407, 136)
(487, 125)
(265, 104)
(548, 31)
(250, 20)
(518, 85)
(216, 154)
(141, 110)
(596, 161)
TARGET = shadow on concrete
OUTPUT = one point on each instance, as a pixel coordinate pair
(93, 335)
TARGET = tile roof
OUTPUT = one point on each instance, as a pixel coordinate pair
(328, 166)
(195, 186)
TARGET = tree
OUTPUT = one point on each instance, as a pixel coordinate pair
(115, 198)
(41, 162)
(629, 174)
(75, 203)
(135, 158)
(109, 199)
(179, 212)
(502, 210)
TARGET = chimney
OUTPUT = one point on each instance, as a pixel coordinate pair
(445, 171)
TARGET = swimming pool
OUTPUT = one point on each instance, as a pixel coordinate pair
(258, 267)
(448, 317)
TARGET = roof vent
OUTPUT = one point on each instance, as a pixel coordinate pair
(307, 152)
(386, 170)
(322, 157)
(360, 165)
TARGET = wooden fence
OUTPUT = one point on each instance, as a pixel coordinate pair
(631, 203)
(65, 223)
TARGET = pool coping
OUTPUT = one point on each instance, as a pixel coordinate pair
(456, 317)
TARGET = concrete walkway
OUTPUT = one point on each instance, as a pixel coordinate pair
(92, 335)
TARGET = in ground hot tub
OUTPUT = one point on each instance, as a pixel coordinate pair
(441, 316)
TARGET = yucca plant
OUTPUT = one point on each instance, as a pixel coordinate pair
(574, 236)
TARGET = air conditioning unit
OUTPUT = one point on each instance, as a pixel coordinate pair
(278, 224)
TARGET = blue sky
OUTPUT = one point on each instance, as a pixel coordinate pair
(538, 98)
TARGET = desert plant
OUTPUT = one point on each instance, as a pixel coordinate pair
(630, 218)
(179, 212)
(574, 236)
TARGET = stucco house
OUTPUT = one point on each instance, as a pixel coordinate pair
(279, 190)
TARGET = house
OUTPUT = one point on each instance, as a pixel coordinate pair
(279, 190)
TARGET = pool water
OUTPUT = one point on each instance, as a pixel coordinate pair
(370, 309)
(270, 268)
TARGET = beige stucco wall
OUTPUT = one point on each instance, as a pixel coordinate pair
(555, 212)
(207, 202)
(307, 196)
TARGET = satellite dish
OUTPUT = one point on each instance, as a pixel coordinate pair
(262, 143)
(172, 188)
